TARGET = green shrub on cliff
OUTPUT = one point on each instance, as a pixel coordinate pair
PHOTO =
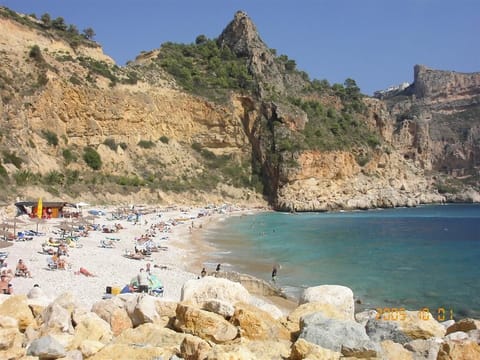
(3, 172)
(92, 158)
(51, 137)
(205, 69)
(10, 157)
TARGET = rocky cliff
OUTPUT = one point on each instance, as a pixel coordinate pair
(303, 144)
(437, 123)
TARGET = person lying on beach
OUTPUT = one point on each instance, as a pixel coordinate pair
(85, 272)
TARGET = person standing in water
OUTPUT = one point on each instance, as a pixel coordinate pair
(274, 273)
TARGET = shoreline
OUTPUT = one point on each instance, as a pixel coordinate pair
(203, 249)
(186, 254)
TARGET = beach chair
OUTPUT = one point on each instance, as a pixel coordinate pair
(107, 243)
(51, 265)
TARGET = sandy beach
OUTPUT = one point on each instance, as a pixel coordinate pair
(181, 259)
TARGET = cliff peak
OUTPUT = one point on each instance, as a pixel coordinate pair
(241, 36)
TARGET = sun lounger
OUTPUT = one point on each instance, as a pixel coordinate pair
(107, 244)
(51, 265)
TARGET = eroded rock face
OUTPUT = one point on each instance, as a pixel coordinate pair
(432, 84)
(204, 324)
(17, 307)
(114, 313)
(257, 324)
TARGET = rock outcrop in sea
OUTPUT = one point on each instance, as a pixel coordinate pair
(218, 319)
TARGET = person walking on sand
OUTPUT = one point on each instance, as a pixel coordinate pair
(142, 279)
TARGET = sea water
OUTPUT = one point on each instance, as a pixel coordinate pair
(412, 258)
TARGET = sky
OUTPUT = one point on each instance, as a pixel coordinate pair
(375, 42)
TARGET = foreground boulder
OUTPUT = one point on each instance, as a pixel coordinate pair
(91, 328)
(424, 349)
(464, 325)
(412, 325)
(10, 338)
(142, 309)
(17, 308)
(114, 313)
(201, 290)
(345, 336)
(204, 324)
(256, 324)
(46, 348)
(249, 350)
(453, 350)
(303, 349)
(336, 299)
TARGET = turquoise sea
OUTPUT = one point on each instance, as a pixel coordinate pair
(408, 258)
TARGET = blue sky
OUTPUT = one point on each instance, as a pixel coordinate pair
(375, 42)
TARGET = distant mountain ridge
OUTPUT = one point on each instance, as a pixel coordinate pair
(225, 120)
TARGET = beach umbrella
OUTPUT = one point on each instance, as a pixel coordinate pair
(39, 208)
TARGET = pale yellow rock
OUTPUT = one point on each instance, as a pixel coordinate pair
(453, 350)
(204, 324)
(420, 325)
(90, 347)
(8, 337)
(229, 352)
(113, 313)
(394, 351)
(194, 348)
(153, 335)
(256, 324)
(124, 351)
(92, 328)
(303, 349)
(328, 310)
(268, 349)
(166, 311)
(16, 306)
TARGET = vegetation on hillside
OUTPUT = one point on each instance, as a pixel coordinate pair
(330, 128)
(57, 27)
(205, 69)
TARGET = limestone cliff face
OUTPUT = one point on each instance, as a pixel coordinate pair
(437, 86)
(438, 121)
(59, 91)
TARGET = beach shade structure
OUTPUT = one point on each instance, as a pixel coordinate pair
(4, 233)
(16, 221)
(37, 221)
(65, 227)
(91, 217)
